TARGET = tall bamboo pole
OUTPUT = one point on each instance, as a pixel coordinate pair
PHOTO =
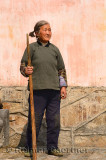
(34, 147)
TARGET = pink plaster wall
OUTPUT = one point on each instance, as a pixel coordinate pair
(78, 27)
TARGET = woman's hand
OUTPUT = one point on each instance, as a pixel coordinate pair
(63, 92)
(28, 70)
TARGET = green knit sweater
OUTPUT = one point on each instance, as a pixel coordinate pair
(47, 62)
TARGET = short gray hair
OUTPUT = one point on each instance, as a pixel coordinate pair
(37, 27)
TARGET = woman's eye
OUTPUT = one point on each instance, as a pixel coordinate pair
(47, 30)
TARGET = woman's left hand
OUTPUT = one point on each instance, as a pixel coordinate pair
(63, 92)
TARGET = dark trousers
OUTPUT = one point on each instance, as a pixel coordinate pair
(50, 100)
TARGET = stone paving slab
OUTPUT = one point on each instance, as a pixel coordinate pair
(89, 155)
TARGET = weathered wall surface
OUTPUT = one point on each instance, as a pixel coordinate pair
(83, 117)
(78, 30)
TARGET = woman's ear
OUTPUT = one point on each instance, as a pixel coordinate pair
(37, 34)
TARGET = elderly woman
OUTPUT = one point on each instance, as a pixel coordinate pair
(49, 84)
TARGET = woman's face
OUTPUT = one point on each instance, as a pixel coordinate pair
(45, 33)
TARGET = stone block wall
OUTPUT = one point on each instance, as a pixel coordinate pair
(83, 117)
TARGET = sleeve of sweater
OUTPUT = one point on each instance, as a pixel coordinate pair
(24, 61)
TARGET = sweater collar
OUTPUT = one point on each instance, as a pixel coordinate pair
(47, 45)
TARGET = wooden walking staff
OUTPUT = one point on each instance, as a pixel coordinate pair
(32, 105)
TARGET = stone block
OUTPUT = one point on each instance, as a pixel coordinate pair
(98, 141)
(70, 115)
(13, 107)
(74, 94)
(4, 127)
(11, 95)
(65, 139)
(18, 126)
(14, 140)
(94, 126)
(17, 123)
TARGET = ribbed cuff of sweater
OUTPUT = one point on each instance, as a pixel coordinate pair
(62, 77)
(22, 69)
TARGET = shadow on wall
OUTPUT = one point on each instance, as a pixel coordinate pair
(1, 106)
(42, 139)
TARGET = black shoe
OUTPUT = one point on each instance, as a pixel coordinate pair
(55, 152)
(28, 154)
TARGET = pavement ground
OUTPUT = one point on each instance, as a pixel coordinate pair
(75, 154)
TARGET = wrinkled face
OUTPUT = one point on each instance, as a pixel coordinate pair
(45, 33)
